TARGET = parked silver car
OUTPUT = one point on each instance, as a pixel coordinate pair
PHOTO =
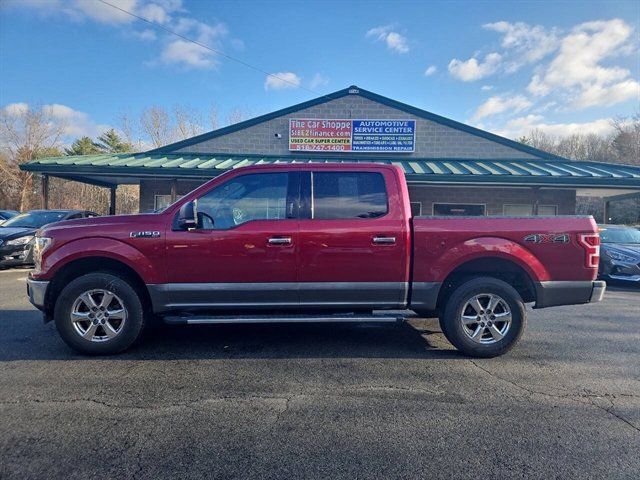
(619, 253)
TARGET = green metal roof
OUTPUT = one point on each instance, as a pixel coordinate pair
(443, 170)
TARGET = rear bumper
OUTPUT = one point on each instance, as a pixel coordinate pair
(555, 293)
(37, 290)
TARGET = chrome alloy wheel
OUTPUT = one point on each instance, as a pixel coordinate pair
(98, 315)
(486, 318)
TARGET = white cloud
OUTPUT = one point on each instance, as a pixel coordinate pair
(524, 43)
(146, 34)
(169, 13)
(598, 95)
(188, 54)
(16, 109)
(154, 13)
(486, 88)
(431, 69)
(578, 71)
(318, 81)
(281, 81)
(74, 123)
(472, 69)
(499, 104)
(102, 12)
(394, 41)
(524, 125)
(182, 52)
(202, 31)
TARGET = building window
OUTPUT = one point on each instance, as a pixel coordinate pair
(526, 210)
(416, 209)
(548, 210)
(161, 201)
(459, 209)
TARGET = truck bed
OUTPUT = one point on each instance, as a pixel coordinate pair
(545, 247)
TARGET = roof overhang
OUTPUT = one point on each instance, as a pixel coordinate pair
(590, 178)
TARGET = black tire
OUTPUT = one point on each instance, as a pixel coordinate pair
(452, 325)
(128, 334)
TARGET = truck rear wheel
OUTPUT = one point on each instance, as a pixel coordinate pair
(99, 314)
(484, 317)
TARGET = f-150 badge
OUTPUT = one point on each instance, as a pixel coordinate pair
(145, 234)
(547, 238)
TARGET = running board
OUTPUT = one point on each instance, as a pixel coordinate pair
(210, 319)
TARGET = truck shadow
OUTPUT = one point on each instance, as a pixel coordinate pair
(31, 340)
(418, 339)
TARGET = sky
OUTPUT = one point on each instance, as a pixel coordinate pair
(562, 67)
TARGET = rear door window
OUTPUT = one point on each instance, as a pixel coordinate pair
(345, 195)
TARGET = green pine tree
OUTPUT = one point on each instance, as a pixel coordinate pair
(83, 146)
(110, 142)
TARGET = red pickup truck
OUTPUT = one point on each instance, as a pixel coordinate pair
(308, 243)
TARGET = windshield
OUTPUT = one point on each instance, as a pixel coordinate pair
(34, 219)
(620, 235)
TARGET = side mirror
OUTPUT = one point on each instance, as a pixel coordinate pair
(187, 217)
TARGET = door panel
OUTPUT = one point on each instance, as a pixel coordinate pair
(244, 252)
(360, 260)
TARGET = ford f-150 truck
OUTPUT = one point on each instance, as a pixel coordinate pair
(308, 242)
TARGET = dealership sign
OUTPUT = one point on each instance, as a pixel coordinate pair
(346, 135)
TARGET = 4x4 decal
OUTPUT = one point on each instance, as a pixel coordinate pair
(547, 238)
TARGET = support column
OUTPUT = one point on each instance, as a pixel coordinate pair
(45, 191)
(536, 200)
(112, 200)
(174, 190)
(605, 212)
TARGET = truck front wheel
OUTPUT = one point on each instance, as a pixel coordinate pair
(99, 314)
(484, 317)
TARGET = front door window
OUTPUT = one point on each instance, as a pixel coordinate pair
(260, 196)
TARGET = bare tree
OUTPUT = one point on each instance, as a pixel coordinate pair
(26, 134)
(237, 115)
(155, 123)
(626, 140)
(127, 128)
(574, 147)
(213, 117)
(188, 122)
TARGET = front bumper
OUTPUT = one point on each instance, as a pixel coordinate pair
(555, 293)
(37, 291)
(13, 255)
(625, 278)
(616, 270)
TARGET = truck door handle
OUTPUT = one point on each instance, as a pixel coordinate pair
(280, 241)
(384, 240)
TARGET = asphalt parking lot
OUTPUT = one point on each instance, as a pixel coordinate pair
(323, 401)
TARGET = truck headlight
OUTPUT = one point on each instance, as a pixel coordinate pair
(20, 241)
(40, 245)
(620, 257)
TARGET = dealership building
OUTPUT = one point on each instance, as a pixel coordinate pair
(452, 168)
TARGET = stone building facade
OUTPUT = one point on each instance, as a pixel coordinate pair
(435, 138)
